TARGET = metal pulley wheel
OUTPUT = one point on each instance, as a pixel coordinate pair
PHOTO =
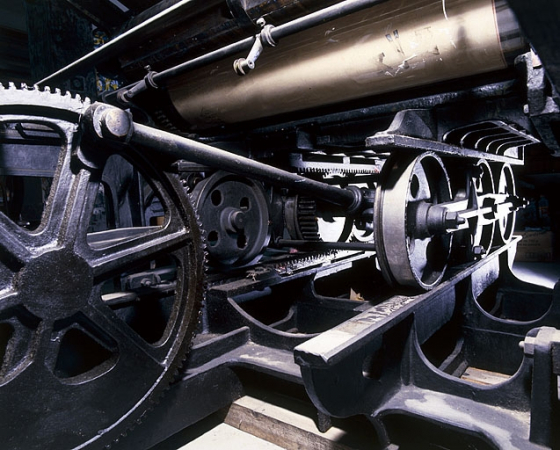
(407, 254)
(505, 188)
(234, 214)
(84, 353)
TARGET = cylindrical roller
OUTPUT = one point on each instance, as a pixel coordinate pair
(395, 45)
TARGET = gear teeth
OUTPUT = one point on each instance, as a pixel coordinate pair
(292, 264)
(307, 219)
(43, 102)
(44, 98)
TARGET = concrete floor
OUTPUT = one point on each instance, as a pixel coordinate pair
(226, 437)
(542, 273)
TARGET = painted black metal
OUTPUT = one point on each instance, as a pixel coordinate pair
(60, 340)
(399, 356)
(183, 148)
(383, 142)
(542, 106)
(398, 359)
(537, 21)
(388, 354)
(178, 147)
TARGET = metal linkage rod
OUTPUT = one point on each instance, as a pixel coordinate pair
(325, 15)
(112, 123)
(141, 32)
(322, 246)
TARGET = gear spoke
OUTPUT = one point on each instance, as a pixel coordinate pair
(143, 244)
(127, 341)
(72, 202)
(13, 244)
(8, 299)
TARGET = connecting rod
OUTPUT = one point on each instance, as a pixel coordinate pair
(112, 123)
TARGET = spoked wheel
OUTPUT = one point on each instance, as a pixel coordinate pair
(505, 188)
(93, 325)
(235, 218)
(475, 241)
(482, 228)
(406, 255)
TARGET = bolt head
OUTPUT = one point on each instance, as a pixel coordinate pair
(116, 123)
(478, 250)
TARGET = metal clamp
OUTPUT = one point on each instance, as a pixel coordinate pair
(243, 66)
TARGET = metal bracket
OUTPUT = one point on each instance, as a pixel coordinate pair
(243, 66)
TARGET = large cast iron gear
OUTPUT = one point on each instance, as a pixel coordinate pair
(80, 362)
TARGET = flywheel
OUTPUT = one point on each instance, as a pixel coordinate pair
(407, 255)
(101, 278)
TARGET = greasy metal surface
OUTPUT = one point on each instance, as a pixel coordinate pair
(388, 47)
(163, 143)
(404, 359)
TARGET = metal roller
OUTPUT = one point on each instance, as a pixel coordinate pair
(388, 47)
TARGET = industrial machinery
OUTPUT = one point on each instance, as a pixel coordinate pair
(322, 192)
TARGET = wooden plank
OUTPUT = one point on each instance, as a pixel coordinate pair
(226, 437)
(483, 377)
(291, 428)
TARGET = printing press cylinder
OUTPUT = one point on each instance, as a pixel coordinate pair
(392, 46)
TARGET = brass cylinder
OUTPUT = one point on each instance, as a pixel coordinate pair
(392, 46)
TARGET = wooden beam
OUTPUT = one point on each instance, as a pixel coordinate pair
(57, 37)
(102, 13)
(14, 56)
(137, 6)
(291, 425)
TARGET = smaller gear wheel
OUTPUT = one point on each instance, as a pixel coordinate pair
(300, 216)
(234, 214)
